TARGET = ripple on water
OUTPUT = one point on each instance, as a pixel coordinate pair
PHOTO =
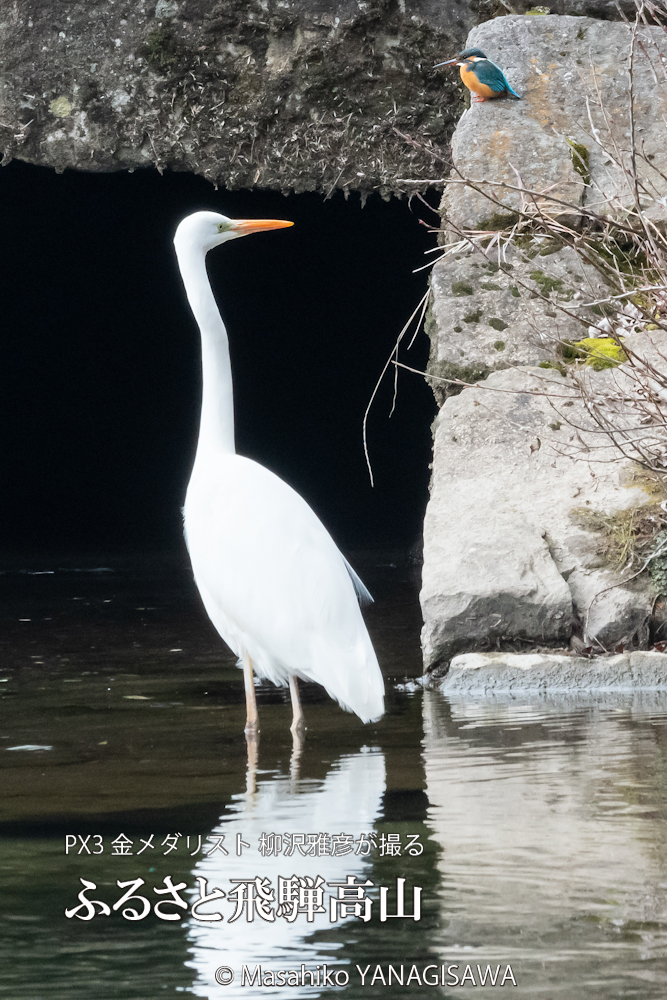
(552, 821)
(543, 821)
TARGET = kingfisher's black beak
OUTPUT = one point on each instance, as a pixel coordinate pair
(450, 62)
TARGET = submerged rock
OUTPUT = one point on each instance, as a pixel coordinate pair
(509, 672)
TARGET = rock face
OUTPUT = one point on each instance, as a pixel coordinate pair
(267, 93)
(572, 73)
(524, 494)
(511, 552)
(507, 672)
(500, 309)
(287, 94)
(491, 311)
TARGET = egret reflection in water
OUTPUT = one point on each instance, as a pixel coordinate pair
(347, 801)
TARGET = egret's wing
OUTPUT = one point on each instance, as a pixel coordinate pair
(363, 593)
(275, 585)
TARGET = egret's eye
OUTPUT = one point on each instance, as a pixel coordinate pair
(223, 227)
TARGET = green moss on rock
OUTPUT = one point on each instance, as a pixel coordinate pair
(528, 246)
(552, 245)
(473, 317)
(499, 221)
(162, 52)
(448, 370)
(461, 288)
(546, 284)
(601, 352)
(580, 159)
(557, 366)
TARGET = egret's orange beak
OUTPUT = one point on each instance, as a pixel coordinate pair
(245, 226)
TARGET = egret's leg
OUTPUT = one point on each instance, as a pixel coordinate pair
(298, 744)
(297, 728)
(252, 718)
(298, 720)
(252, 742)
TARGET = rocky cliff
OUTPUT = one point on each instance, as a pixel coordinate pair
(284, 94)
(526, 493)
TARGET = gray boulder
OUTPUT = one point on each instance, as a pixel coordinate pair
(491, 311)
(572, 75)
(511, 555)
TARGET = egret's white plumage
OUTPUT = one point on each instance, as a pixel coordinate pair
(271, 578)
(351, 797)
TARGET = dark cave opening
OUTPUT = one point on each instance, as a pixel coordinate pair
(100, 393)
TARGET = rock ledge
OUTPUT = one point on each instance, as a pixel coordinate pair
(504, 672)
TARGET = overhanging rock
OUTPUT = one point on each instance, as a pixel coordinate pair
(283, 94)
(269, 93)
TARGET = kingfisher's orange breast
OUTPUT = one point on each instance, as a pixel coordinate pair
(472, 83)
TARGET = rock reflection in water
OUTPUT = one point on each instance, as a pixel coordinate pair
(347, 801)
(551, 818)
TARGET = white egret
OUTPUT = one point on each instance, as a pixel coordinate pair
(272, 580)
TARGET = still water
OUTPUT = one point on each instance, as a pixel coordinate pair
(536, 828)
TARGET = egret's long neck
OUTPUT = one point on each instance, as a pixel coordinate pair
(216, 432)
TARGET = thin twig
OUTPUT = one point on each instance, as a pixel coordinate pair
(421, 306)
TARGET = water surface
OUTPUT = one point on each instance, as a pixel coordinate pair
(541, 823)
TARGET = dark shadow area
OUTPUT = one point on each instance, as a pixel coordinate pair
(100, 385)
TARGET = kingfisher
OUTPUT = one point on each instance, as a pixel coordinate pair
(481, 76)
